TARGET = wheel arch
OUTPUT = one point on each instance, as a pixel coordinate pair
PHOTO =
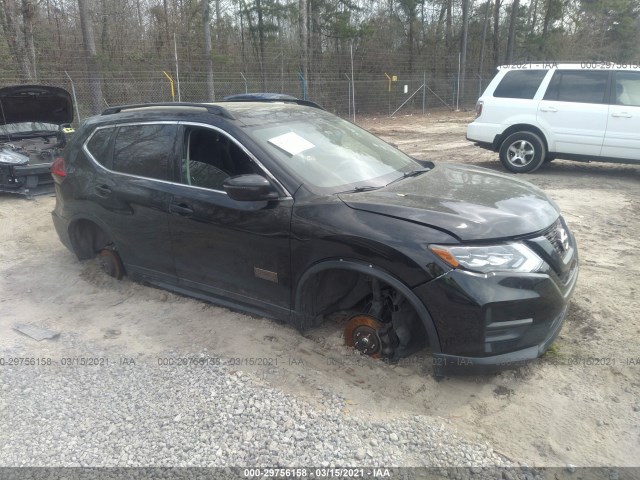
(522, 127)
(88, 236)
(357, 266)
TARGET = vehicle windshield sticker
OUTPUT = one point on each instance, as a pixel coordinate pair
(292, 143)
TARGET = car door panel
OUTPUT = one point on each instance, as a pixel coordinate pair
(137, 207)
(575, 128)
(242, 248)
(574, 111)
(235, 249)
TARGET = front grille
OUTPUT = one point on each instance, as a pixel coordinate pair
(558, 237)
(556, 247)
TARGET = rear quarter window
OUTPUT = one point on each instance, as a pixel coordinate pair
(99, 146)
(520, 84)
(145, 150)
(627, 89)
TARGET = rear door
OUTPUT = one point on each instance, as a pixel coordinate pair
(574, 111)
(622, 138)
(132, 191)
(236, 251)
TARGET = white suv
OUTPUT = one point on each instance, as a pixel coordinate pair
(535, 112)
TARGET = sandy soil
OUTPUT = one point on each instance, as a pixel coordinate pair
(580, 404)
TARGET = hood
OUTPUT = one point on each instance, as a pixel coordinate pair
(35, 103)
(469, 202)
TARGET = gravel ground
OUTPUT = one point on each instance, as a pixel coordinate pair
(208, 414)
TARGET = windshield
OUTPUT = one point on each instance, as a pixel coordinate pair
(330, 153)
(27, 128)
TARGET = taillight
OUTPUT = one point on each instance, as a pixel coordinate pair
(479, 109)
(58, 169)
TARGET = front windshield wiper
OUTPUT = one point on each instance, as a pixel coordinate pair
(361, 189)
(410, 173)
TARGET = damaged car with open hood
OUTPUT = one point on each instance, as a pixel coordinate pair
(35, 122)
(281, 209)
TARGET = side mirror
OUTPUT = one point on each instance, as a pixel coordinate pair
(249, 188)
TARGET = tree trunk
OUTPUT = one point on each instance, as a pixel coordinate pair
(218, 23)
(206, 31)
(484, 37)
(533, 16)
(411, 21)
(463, 45)
(140, 21)
(28, 16)
(167, 33)
(91, 58)
(496, 32)
(314, 32)
(261, 44)
(512, 31)
(304, 52)
(104, 38)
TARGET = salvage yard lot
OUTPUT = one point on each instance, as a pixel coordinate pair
(580, 404)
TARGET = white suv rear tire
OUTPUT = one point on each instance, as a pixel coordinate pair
(522, 152)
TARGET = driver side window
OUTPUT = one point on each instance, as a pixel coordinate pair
(210, 157)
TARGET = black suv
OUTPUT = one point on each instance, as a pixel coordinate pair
(288, 211)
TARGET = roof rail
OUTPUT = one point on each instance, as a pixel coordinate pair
(214, 109)
(297, 101)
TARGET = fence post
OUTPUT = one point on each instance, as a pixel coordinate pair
(246, 90)
(424, 92)
(349, 89)
(75, 99)
(303, 85)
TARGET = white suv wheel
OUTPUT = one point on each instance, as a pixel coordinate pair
(522, 152)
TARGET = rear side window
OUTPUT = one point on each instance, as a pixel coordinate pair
(145, 150)
(520, 84)
(99, 146)
(578, 86)
(627, 89)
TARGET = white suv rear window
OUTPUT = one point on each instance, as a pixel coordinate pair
(520, 84)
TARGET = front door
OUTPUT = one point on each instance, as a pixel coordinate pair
(574, 111)
(236, 251)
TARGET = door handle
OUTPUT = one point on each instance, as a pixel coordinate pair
(621, 115)
(103, 190)
(181, 209)
(548, 109)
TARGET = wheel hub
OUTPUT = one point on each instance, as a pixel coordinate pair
(361, 333)
(521, 153)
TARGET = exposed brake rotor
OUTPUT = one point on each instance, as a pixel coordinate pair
(361, 333)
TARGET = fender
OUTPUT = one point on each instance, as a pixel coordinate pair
(372, 270)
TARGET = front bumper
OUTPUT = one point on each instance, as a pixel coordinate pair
(489, 322)
(26, 179)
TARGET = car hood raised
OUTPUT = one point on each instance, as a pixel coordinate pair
(469, 202)
(35, 103)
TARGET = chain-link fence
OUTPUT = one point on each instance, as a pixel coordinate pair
(364, 95)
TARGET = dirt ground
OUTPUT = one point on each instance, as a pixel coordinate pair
(579, 404)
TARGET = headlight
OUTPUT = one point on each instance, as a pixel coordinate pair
(510, 257)
(9, 157)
